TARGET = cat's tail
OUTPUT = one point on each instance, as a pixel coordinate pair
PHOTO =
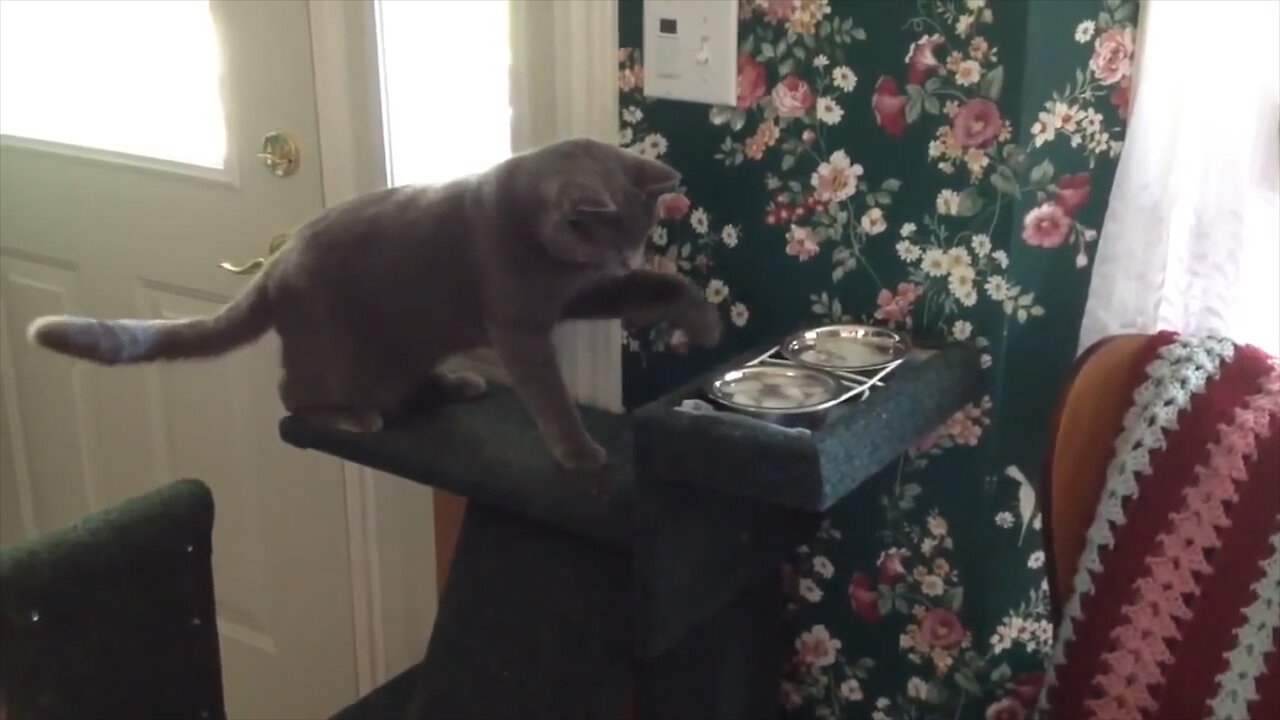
(117, 342)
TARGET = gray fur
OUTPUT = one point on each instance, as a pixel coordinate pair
(371, 296)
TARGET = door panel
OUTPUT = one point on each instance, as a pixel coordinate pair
(96, 233)
(33, 286)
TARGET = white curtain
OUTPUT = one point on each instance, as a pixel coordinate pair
(1191, 240)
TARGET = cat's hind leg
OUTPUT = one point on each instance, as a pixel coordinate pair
(301, 399)
(441, 387)
(316, 386)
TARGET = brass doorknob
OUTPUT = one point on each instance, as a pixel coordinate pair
(280, 153)
(258, 263)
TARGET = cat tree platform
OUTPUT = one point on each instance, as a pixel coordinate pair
(650, 588)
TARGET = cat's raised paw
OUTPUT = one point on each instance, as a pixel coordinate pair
(585, 456)
(702, 324)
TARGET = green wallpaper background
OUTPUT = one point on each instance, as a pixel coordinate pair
(940, 166)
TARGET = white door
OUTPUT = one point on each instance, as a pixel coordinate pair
(124, 182)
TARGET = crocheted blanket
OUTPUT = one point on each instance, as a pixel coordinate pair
(1175, 609)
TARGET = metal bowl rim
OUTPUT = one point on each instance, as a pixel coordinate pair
(836, 384)
(898, 351)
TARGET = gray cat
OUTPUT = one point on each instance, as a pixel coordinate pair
(371, 296)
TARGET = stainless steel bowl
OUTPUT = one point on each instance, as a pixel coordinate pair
(845, 348)
(788, 395)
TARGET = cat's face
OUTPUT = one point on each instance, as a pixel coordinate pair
(605, 203)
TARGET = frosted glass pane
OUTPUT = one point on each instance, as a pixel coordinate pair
(132, 76)
(445, 67)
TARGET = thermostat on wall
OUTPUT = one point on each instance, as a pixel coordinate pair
(691, 50)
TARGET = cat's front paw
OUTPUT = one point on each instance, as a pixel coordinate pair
(586, 455)
(701, 322)
(462, 384)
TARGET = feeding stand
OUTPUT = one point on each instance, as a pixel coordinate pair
(649, 590)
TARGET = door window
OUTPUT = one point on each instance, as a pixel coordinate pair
(138, 77)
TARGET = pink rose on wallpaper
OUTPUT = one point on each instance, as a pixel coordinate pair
(891, 568)
(801, 242)
(752, 81)
(920, 59)
(963, 430)
(965, 427)
(927, 442)
(864, 597)
(792, 97)
(896, 307)
(1046, 226)
(631, 78)
(673, 206)
(890, 107)
(1006, 709)
(1112, 59)
(1120, 98)
(976, 124)
(940, 629)
(836, 179)
(1073, 192)
(776, 11)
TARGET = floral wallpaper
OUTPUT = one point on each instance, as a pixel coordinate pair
(937, 166)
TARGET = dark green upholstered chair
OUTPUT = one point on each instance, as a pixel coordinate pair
(113, 617)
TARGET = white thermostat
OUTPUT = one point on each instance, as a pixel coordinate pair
(691, 50)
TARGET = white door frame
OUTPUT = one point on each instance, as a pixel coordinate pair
(580, 39)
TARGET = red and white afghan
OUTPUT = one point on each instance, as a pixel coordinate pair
(1175, 607)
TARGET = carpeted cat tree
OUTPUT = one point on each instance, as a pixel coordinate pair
(650, 589)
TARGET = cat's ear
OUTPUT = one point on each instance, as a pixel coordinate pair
(580, 200)
(572, 218)
(653, 177)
